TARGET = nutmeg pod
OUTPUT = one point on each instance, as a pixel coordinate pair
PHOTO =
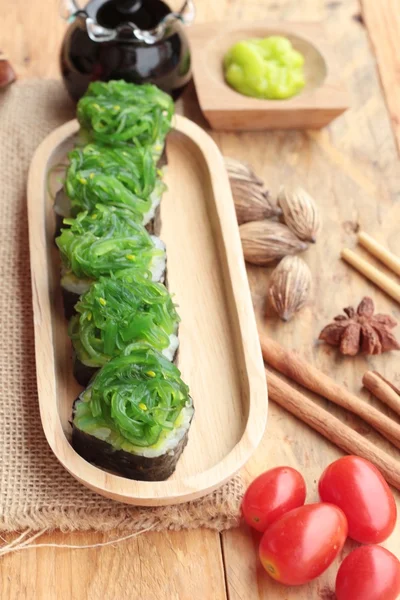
(241, 171)
(252, 201)
(300, 213)
(264, 242)
(290, 286)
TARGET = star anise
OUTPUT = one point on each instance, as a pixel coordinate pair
(361, 331)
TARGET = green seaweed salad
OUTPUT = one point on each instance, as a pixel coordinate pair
(119, 176)
(133, 400)
(107, 241)
(134, 416)
(118, 113)
(119, 310)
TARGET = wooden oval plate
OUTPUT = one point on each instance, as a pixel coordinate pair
(323, 98)
(219, 354)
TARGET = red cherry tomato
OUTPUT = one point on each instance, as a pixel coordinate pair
(358, 488)
(303, 543)
(271, 495)
(368, 573)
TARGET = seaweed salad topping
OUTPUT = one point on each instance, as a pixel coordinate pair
(133, 400)
(134, 416)
(118, 113)
(119, 176)
(109, 240)
(119, 310)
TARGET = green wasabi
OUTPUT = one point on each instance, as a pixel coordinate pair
(267, 68)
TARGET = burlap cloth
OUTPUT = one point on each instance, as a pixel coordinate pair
(36, 493)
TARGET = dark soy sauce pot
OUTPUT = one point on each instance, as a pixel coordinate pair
(140, 41)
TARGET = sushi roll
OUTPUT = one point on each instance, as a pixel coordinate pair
(103, 242)
(134, 417)
(115, 176)
(117, 311)
(119, 113)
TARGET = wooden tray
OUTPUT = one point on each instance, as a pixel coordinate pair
(219, 353)
(323, 98)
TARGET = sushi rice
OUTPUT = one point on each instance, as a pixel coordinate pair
(172, 348)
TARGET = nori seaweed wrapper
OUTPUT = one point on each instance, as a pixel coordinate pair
(83, 373)
(136, 406)
(69, 301)
(124, 463)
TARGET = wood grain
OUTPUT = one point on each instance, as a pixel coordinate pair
(31, 35)
(170, 565)
(352, 170)
(382, 20)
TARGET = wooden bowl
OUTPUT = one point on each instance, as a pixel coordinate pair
(322, 99)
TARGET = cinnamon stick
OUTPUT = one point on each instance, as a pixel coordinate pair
(332, 428)
(390, 384)
(311, 378)
(382, 390)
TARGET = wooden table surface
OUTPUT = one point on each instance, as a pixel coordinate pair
(352, 169)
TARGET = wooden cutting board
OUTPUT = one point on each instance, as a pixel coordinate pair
(353, 170)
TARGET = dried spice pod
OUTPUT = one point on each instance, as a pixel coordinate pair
(290, 286)
(241, 171)
(264, 242)
(7, 73)
(300, 213)
(252, 201)
(361, 331)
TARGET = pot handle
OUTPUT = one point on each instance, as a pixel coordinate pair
(187, 13)
(69, 9)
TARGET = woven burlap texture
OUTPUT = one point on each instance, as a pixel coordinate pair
(36, 493)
